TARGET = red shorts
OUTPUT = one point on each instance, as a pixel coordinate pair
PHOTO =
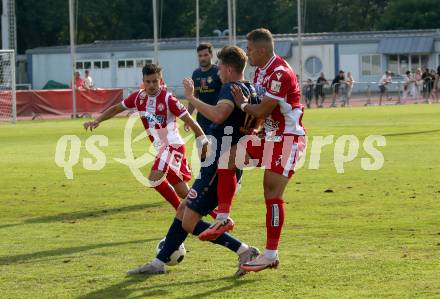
(278, 153)
(172, 161)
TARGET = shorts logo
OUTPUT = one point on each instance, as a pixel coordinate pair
(192, 194)
(160, 107)
(275, 86)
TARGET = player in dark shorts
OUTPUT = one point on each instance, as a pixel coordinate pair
(228, 128)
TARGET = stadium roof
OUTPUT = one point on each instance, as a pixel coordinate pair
(281, 41)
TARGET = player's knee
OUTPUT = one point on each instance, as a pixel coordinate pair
(155, 176)
(180, 210)
(187, 226)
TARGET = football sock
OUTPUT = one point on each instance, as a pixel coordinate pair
(167, 191)
(226, 187)
(175, 236)
(271, 254)
(274, 222)
(222, 216)
(242, 248)
(213, 214)
(225, 239)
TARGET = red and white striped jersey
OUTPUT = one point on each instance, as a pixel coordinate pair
(278, 81)
(158, 114)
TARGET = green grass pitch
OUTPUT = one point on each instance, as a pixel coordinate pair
(377, 235)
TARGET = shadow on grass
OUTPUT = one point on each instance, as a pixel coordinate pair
(90, 214)
(73, 216)
(7, 260)
(125, 288)
(411, 133)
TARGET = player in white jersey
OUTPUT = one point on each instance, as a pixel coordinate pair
(158, 110)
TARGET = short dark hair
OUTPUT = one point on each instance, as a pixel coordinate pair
(234, 57)
(150, 69)
(204, 46)
(261, 35)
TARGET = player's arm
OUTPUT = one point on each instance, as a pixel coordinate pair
(202, 140)
(107, 114)
(193, 125)
(217, 114)
(261, 110)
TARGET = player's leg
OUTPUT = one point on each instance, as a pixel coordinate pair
(276, 176)
(227, 172)
(175, 237)
(200, 205)
(161, 185)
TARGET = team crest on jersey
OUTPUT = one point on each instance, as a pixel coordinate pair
(192, 194)
(209, 80)
(271, 125)
(275, 86)
(203, 83)
(278, 75)
(160, 107)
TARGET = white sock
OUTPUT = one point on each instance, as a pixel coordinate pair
(157, 263)
(222, 216)
(243, 248)
(271, 254)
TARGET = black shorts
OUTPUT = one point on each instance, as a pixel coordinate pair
(382, 88)
(202, 198)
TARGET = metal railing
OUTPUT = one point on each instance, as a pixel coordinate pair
(370, 93)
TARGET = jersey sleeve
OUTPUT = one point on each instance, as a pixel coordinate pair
(225, 95)
(176, 107)
(129, 102)
(278, 85)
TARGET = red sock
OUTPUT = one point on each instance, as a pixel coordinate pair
(213, 214)
(227, 184)
(274, 222)
(167, 191)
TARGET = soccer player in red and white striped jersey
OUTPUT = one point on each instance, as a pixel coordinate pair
(158, 110)
(284, 141)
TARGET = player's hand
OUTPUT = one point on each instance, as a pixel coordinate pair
(203, 144)
(188, 86)
(238, 95)
(91, 125)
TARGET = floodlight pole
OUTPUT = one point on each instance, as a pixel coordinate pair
(234, 22)
(72, 56)
(299, 43)
(230, 22)
(156, 44)
(197, 24)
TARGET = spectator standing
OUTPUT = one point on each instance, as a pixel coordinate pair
(418, 82)
(78, 80)
(308, 92)
(88, 81)
(349, 82)
(336, 85)
(383, 86)
(407, 81)
(319, 90)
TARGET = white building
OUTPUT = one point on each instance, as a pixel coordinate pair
(119, 63)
